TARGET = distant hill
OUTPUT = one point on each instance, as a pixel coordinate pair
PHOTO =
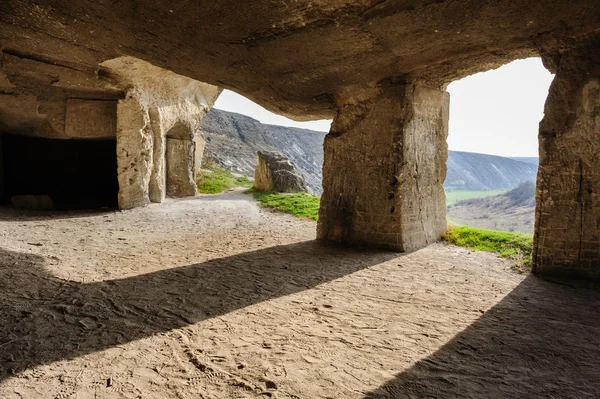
(469, 171)
(233, 139)
(511, 211)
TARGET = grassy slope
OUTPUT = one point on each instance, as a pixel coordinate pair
(299, 204)
(454, 196)
(516, 246)
(214, 179)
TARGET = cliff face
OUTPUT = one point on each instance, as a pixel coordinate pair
(233, 140)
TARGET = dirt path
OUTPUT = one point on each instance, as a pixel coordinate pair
(213, 298)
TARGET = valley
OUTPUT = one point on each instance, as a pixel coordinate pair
(232, 141)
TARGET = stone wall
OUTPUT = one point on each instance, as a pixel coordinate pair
(123, 98)
(385, 165)
(158, 104)
(1, 168)
(567, 239)
(47, 99)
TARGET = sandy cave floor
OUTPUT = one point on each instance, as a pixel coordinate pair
(214, 298)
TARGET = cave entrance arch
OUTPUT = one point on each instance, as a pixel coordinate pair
(493, 142)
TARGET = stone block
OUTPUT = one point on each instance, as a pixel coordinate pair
(91, 119)
(385, 158)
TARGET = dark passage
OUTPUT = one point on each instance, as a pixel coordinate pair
(76, 174)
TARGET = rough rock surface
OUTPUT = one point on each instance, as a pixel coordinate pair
(567, 239)
(181, 179)
(384, 170)
(159, 105)
(314, 59)
(293, 57)
(274, 172)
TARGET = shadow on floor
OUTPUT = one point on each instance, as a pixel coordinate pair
(10, 214)
(541, 341)
(44, 319)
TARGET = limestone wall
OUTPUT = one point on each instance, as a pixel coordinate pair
(47, 99)
(126, 98)
(567, 229)
(158, 104)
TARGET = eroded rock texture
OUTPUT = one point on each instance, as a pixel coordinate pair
(385, 164)
(123, 98)
(274, 172)
(292, 57)
(568, 198)
(158, 129)
(378, 66)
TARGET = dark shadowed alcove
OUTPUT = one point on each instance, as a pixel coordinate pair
(75, 174)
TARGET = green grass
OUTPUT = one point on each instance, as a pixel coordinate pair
(516, 246)
(453, 196)
(214, 179)
(299, 204)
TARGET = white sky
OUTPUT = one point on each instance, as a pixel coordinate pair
(496, 112)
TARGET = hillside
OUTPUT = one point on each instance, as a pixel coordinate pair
(511, 211)
(469, 171)
(233, 139)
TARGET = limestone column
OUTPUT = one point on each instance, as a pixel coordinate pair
(384, 170)
(567, 232)
(134, 153)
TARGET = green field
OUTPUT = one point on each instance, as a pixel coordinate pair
(458, 195)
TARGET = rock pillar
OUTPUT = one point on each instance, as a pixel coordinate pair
(1, 169)
(134, 153)
(384, 170)
(567, 232)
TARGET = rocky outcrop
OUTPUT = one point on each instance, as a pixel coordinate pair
(567, 229)
(378, 67)
(384, 170)
(158, 128)
(274, 172)
(232, 140)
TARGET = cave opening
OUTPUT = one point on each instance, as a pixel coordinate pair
(493, 142)
(62, 174)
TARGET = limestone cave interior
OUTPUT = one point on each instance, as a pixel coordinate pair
(217, 297)
(74, 173)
